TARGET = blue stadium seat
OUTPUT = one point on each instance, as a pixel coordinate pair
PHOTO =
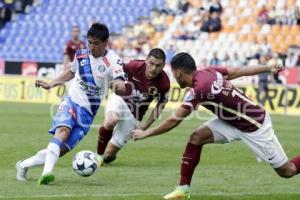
(41, 34)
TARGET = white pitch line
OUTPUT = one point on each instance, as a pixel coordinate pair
(76, 195)
(140, 194)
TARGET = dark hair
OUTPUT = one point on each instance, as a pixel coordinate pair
(157, 53)
(184, 62)
(99, 31)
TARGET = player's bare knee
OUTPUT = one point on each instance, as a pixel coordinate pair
(63, 129)
(110, 152)
(201, 136)
(110, 123)
(62, 133)
(196, 138)
(109, 159)
(287, 171)
(109, 156)
(286, 174)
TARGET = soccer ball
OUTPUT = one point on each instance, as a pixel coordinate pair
(84, 163)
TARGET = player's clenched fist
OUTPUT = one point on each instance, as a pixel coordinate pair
(43, 84)
(118, 86)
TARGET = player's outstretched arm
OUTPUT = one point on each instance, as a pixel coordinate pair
(67, 59)
(61, 79)
(167, 125)
(153, 116)
(236, 72)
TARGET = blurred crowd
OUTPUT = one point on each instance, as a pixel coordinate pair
(196, 17)
(199, 18)
(135, 41)
(281, 14)
(10, 8)
(257, 51)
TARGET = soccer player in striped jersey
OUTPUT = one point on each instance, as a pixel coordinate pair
(237, 118)
(93, 70)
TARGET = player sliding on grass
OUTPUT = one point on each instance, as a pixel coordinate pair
(93, 70)
(237, 118)
(146, 81)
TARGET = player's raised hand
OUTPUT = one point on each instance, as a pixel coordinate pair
(275, 68)
(138, 134)
(43, 84)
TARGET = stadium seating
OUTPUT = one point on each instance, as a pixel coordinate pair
(41, 34)
(240, 29)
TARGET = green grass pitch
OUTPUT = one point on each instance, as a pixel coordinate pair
(144, 170)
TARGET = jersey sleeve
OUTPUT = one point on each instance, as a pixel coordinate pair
(66, 49)
(117, 71)
(74, 65)
(222, 70)
(191, 100)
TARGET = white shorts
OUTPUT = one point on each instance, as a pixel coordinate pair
(263, 142)
(127, 122)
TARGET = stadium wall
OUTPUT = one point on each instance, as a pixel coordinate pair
(281, 100)
(29, 68)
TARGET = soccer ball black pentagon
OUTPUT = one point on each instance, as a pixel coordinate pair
(84, 163)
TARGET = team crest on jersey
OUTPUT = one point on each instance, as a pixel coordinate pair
(84, 62)
(217, 85)
(119, 62)
(82, 56)
(152, 91)
(101, 68)
(190, 95)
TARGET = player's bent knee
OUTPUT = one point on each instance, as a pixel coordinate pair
(111, 151)
(109, 159)
(195, 138)
(109, 155)
(286, 174)
(110, 123)
(288, 170)
(62, 133)
(201, 137)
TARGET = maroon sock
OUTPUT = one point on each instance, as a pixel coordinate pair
(296, 161)
(190, 160)
(103, 139)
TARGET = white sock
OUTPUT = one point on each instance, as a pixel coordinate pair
(184, 187)
(36, 160)
(52, 155)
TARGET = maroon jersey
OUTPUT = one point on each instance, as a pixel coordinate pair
(140, 91)
(72, 47)
(211, 90)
